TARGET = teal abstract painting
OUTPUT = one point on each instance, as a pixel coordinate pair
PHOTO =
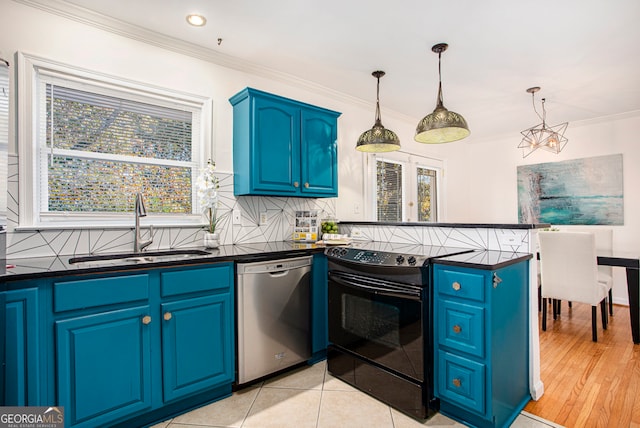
(579, 191)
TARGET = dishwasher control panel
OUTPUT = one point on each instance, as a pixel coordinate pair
(271, 266)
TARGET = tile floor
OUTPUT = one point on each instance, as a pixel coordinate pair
(311, 397)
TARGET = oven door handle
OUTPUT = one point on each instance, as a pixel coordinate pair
(382, 287)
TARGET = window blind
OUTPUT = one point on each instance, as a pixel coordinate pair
(101, 149)
(4, 139)
(389, 190)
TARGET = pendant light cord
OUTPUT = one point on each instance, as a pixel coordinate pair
(378, 117)
(440, 101)
(544, 111)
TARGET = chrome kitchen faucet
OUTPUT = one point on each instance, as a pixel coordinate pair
(141, 211)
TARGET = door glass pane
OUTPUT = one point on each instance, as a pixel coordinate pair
(389, 191)
(426, 181)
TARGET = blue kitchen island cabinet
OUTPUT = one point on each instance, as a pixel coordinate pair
(133, 348)
(481, 343)
(283, 147)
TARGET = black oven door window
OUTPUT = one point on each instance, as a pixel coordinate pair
(380, 325)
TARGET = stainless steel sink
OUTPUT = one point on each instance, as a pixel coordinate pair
(132, 258)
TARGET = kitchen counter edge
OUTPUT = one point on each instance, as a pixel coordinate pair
(452, 225)
(57, 266)
(485, 260)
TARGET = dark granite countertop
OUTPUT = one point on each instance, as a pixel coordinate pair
(43, 267)
(486, 260)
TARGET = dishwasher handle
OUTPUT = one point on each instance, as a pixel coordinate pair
(279, 273)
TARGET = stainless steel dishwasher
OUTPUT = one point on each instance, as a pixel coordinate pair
(274, 312)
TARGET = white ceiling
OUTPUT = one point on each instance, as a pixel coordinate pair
(585, 54)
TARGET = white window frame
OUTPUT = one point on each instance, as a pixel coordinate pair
(410, 163)
(31, 191)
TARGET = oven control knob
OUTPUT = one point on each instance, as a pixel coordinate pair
(411, 260)
(400, 259)
(343, 251)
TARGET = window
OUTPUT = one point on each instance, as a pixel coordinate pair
(97, 140)
(427, 190)
(406, 187)
(389, 190)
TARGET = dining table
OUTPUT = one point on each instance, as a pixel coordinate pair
(631, 262)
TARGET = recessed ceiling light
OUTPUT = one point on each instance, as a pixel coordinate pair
(196, 20)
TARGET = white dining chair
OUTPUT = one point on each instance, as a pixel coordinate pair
(569, 271)
(604, 245)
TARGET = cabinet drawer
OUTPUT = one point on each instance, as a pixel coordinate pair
(461, 381)
(461, 326)
(88, 293)
(195, 280)
(461, 284)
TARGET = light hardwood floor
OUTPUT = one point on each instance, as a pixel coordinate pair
(589, 384)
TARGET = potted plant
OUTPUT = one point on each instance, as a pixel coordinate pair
(208, 185)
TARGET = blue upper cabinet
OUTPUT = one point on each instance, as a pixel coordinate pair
(282, 147)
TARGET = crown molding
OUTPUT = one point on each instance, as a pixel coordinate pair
(116, 26)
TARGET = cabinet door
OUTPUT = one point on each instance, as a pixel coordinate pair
(197, 344)
(22, 369)
(319, 158)
(104, 366)
(275, 156)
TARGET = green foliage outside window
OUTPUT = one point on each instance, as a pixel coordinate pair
(105, 149)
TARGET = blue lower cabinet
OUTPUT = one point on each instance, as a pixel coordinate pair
(162, 343)
(22, 385)
(481, 343)
(104, 366)
(197, 345)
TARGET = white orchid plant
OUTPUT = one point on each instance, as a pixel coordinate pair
(207, 185)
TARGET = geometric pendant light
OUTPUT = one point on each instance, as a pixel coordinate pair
(378, 139)
(541, 136)
(441, 126)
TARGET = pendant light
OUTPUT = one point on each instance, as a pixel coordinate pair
(378, 139)
(541, 136)
(441, 126)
